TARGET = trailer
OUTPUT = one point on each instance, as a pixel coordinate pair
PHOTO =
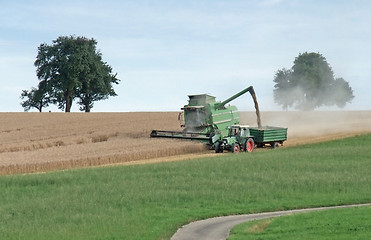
(268, 135)
(245, 138)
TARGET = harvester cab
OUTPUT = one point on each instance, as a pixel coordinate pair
(196, 113)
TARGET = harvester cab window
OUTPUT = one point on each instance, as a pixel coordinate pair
(196, 117)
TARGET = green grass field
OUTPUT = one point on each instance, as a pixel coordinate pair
(152, 201)
(339, 224)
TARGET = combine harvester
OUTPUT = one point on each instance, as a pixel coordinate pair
(211, 122)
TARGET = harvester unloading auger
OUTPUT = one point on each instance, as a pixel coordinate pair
(204, 117)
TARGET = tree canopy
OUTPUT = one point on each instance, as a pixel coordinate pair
(71, 68)
(36, 98)
(309, 84)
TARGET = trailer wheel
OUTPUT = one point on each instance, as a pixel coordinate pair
(218, 148)
(236, 148)
(250, 145)
(275, 145)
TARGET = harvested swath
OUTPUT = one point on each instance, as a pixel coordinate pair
(99, 160)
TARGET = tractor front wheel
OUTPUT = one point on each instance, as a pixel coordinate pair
(236, 148)
(218, 148)
(250, 145)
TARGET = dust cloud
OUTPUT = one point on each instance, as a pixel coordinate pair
(313, 126)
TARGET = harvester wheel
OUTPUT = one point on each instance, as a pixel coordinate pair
(250, 145)
(218, 149)
(236, 148)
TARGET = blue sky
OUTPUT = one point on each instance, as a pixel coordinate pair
(165, 50)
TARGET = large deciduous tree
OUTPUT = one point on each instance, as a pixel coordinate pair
(73, 68)
(309, 84)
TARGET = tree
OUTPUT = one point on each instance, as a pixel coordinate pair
(36, 98)
(72, 67)
(96, 80)
(309, 84)
(96, 89)
(341, 92)
(282, 80)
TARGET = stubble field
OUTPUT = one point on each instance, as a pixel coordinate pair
(36, 142)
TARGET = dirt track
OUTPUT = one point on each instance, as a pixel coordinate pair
(34, 142)
(220, 227)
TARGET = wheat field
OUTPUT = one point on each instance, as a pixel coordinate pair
(34, 142)
(37, 142)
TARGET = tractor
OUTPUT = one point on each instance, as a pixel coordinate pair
(238, 139)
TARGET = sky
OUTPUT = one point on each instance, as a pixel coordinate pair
(164, 50)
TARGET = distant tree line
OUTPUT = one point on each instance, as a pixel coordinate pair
(70, 68)
(309, 84)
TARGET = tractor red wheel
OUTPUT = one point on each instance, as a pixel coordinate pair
(250, 145)
(236, 148)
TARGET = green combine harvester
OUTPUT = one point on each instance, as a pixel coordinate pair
(208, 120)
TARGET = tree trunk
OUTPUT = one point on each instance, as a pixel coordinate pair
(68, 104)
(68, 98)
(87, 104)
(41, 105)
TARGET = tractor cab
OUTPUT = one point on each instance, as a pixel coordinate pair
(239, 131)
(238, 138)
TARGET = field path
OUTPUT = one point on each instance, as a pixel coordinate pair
(219, 228)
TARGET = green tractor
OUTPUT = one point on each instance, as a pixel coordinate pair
(238, 139)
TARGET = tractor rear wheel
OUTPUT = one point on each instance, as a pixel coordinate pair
(249, 145)
(236, 148)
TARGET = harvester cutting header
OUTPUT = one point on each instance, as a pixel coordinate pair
(208, 120)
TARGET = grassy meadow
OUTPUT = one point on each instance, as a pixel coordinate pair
(340, 224)
(151, 201)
